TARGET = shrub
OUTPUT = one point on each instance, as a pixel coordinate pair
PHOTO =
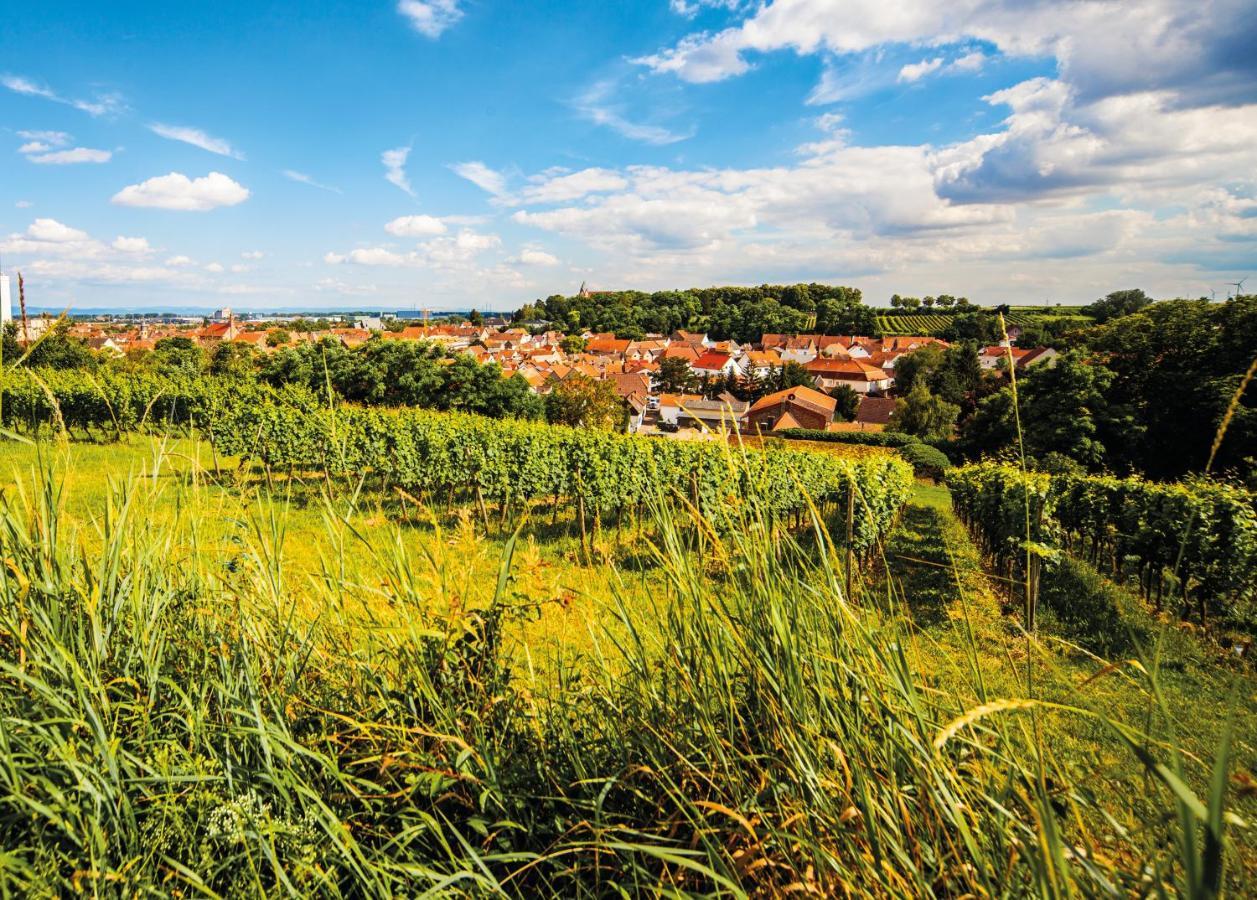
(927, 461)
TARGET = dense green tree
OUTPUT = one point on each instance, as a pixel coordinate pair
(233, 359)
(178, 357)
(675, 376)
(1117, 304)
(922, 414)
(976, 325)
(848, 402)
(791, 375)
(475, 319)
(585, 403)
(56, 349)
(572, 343)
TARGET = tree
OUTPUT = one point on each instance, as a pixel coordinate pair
(922, 414)
(972, 324)
(232, 359)
(475, 318)
(675, 376)
(918, 364)
(56, 350)
(582, 402)
(848, 402)
(1117, 304)
(792, 374)
(572, 344)
(278, 337)
(178, 357)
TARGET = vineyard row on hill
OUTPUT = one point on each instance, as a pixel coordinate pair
(475, 459)
(1199, 537)
(925, 324)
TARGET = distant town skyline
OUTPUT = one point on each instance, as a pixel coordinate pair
(454, 155)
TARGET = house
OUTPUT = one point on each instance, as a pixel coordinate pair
(874, 413)
(627, 384)
(855, 374)
(716, 364)
(795, 407)
(800, 349)
(992, 357)
(693, 410)
(760, 363)
(606, 346)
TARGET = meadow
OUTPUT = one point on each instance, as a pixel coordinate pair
(214, 683)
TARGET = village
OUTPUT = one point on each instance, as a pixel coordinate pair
(683, 384)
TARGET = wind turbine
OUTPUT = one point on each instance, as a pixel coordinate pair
(1238, 285)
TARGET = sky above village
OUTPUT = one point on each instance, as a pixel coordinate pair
(481, 153)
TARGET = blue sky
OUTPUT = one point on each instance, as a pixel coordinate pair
(451, 153)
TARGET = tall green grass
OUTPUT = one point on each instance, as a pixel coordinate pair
(177, 721)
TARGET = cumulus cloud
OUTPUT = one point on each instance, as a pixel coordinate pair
(531, 256)
(196, 137)
(395, 168)
(180, 261)
(916, 71)
(177, 191)
(449, 252)
(431, 18)
(415, 226)
(131, 245)
(563, 186)
(1202, 50)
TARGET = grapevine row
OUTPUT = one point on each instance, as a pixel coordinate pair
(445, 456)
(1198, 537)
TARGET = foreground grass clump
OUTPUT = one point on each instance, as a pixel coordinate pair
(172, 725)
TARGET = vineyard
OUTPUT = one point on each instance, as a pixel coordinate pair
(458, 458)
(925, 324)
(1195, 540)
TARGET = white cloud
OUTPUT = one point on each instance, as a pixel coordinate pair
(449, 252)
(252, 254)
(481, 176)
(970, 62)
(1101, 48)
(34, 147)
(237, 268)
(531, 256)
(916, 71)
(196, 138)
(303, 178)
(561, 188)
(180, 261)
(430, 17)
(595, 106)
(52, 138)
(395, 168)
(131, 245)
(23, 204)
(103, 104)
(214, 267)
(54, 231)
(177, 191)
(415, 226)
(71, 157)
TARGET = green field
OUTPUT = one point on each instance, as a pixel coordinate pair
(216, 686)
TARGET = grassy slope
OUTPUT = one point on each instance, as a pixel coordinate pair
(933, 573)
(569, 597)
(935, 569)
